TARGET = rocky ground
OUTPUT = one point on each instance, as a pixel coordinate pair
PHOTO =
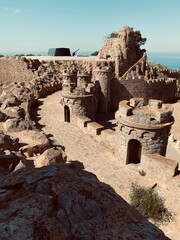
(65, 202)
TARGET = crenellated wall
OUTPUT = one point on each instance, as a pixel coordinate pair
(170, 73)
(126, 88)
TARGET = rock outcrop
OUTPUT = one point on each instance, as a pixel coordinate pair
(54, 155)
(122, 49)
(66, 202)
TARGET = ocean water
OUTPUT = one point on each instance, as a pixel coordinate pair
(170, 60)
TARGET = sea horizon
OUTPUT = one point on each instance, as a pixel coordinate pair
(167, 59)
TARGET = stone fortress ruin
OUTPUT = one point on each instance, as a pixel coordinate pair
(120, 73)
(119, 82)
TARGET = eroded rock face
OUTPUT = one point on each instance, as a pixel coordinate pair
(8, 143)
(122, 49)
(66, 202)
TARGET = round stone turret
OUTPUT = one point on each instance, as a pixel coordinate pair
(142, 129)
(103, 75)
(83, 78)
(68, 81)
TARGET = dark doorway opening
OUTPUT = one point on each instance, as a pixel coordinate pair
(134, 152)
(66, 114)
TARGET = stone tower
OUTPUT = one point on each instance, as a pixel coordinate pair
(103, 76)
(77, 97)
(68, 81)
(142, 129)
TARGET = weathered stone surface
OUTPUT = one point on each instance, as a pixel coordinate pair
(67, 203)
(53, 155)
(158, 167)
(8, 143)
(36, 141)
(14, 112)
(121, 49)
(11, 125)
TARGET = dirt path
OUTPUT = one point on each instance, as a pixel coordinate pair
(78, 146)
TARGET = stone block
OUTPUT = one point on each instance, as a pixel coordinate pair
(136, 102)
(82, 121)
(109, 137)
(94, 128)
(155, 104)
(125, 110)
(163, 116)
(159, 167)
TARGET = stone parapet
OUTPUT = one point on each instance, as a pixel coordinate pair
(145, 128)
(158, 167)
(151, 116)
(94, 128)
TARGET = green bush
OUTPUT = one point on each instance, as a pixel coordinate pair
(149, 204)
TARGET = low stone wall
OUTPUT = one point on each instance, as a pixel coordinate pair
(158, 167)
(17, 99)
(106, 137)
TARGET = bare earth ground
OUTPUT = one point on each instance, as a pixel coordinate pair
(176, 126)
(172, 151)
(101, 161)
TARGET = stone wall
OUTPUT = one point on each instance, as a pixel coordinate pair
(20, 69)
(159, 168)
(170, 73)
(151, 142)
(126, 88)
(103, 75)
(17, 69)
(97, 131)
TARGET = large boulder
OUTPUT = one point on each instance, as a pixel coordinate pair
(65, 202)
(33, 141)
(14, 112)
(53, 155)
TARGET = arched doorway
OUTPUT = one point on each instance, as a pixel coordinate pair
(66, 114)
(134, 151)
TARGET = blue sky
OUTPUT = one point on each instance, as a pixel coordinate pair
(37, 25)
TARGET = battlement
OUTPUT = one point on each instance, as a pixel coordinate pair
(170, 73)
(135, 112)
(144, 78)
(82, 73)
(67, 72)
